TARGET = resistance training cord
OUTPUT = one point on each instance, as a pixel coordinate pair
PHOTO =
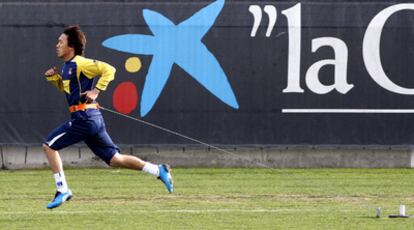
(183, 136)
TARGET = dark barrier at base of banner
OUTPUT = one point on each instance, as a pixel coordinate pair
(26, 157)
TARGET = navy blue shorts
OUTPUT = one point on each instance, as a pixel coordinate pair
(91, 130)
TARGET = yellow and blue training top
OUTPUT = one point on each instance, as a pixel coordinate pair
(77, 76)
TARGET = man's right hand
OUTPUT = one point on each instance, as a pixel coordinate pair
(50, 72)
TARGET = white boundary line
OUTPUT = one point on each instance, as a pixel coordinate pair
(282, 210)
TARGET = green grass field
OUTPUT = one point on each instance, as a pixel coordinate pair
(210, 199)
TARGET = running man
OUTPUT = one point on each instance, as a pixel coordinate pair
(76, 80)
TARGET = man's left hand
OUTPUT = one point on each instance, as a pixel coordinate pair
(91, 95)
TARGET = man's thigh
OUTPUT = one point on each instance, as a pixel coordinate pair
(102, 145)
(69, 133)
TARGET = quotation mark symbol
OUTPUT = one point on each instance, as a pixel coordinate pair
(257, 18)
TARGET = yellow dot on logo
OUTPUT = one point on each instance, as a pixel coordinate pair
(133, 64)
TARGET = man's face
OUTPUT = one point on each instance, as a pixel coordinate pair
(62, 49)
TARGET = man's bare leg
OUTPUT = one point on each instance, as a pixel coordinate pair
(57, 168)
(132, 162)
(127, 161)
(63, 193)
(54, 159)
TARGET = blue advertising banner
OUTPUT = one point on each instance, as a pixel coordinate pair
(280, 73)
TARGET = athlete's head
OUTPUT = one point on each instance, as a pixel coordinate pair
(71, 42)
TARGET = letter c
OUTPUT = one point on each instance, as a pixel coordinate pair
(371, 49)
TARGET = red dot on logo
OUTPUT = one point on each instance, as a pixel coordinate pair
(125, 98)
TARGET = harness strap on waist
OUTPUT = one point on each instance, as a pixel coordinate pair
(75, 108)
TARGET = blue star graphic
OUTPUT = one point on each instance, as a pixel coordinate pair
(180, 44)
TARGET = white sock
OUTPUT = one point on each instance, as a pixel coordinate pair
(151, 169)
(60, 180)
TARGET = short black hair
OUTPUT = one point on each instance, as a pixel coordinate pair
(76, 39)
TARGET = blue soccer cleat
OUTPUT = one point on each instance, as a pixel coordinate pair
(59, 199)
(165, 177)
